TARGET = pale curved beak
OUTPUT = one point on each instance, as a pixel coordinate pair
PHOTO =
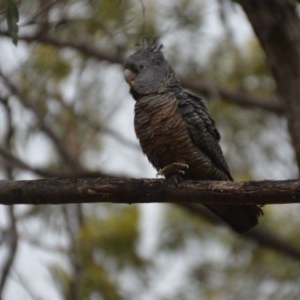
(129, 77)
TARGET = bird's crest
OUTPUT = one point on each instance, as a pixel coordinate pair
(151, 45)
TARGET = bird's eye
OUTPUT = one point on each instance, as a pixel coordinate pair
(141, 66)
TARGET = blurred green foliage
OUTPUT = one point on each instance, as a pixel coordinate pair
(49, 62)
(76, 93)
(105, 247)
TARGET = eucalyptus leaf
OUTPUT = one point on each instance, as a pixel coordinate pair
(12, 16)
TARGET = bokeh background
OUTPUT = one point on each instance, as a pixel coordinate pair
(65, 110)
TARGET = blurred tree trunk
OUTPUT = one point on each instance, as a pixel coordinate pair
(277, 26)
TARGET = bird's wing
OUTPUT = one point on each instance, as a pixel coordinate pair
(202, 130)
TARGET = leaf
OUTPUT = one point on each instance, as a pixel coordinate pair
(12, 16)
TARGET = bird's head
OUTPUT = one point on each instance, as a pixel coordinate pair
(147, 71)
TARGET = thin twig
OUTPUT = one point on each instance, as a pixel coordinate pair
(198, 86)
(12, 226)
(72, 162)
(12, 250)
(25, 285)
(259, 235)
(39, 12)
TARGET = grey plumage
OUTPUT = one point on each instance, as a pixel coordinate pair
(175, 129)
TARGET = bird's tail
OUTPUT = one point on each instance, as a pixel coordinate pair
(240, 218)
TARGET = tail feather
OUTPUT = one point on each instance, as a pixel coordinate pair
(240, 218)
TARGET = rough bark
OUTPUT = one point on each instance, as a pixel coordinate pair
(276, 24)
(115, 190)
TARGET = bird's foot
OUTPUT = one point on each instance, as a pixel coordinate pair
(175, 169)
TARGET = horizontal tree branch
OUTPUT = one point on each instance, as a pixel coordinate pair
(186, 194)
(118, 190)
